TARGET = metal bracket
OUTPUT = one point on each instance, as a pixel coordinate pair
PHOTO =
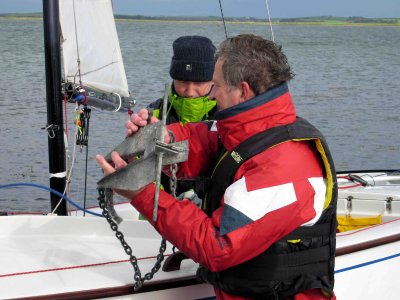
(51, 129)
(388, 205)
(349, 205)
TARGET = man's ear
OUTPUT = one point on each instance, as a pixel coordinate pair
(246, 92)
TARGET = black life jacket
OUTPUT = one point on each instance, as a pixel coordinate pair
(302, 260)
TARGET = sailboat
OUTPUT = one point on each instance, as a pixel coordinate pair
(62, 256)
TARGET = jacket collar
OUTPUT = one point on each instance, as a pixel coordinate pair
(272, 108)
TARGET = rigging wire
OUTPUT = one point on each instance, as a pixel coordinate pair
(223, 19)
(270, 22)
(86, 110)
(268, 13)
(77, 44)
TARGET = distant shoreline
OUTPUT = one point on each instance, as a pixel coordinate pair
(308, 21)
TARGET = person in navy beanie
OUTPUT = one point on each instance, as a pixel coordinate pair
(193, 59)
(191, 70)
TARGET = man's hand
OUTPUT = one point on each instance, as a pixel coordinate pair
(135, 122)
(109, 169)
(139, 120)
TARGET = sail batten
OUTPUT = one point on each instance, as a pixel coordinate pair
(90, 46)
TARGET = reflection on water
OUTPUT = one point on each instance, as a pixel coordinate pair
(346, 84)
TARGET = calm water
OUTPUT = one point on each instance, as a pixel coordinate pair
(347, 84)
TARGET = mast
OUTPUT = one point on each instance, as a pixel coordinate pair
(56, 147)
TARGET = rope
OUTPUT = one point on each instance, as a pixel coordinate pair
(69, 174)
(11, 185)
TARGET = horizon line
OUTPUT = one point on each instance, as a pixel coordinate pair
(226, 17)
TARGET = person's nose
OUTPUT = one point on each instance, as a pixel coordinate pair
(190, 91)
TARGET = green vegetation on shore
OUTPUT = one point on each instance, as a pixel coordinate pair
(337, 21)
(24, 16)
(322, 20)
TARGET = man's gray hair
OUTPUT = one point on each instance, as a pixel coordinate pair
(259, 62)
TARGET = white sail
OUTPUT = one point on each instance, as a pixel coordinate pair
(89, 35)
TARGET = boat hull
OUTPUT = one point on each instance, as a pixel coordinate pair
(76, 256)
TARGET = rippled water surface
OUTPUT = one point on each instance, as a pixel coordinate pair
(347, 84)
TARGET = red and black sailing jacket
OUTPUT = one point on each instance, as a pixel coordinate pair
(277, 203)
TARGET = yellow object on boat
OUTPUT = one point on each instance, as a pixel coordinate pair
(346, 223)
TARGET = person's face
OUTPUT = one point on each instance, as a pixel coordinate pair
(224, 95)
(192, 89)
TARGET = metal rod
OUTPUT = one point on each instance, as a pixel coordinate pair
(160, 154)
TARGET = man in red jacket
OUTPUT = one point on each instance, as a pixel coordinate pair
(267, 226)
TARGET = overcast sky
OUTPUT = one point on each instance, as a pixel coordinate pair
(236, 8)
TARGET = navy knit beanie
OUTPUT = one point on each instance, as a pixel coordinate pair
(193, 59)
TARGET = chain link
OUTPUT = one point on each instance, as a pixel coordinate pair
(172, 186)
(173, 182)
(104, 198)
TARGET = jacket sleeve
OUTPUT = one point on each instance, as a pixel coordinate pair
(203, 148)
(279, 202)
